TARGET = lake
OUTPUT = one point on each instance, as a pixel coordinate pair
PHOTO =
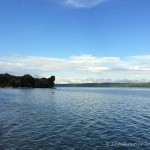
(75, 119)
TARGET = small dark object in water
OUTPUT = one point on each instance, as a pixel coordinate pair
(52, 92)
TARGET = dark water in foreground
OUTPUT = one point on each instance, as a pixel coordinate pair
(75, 119)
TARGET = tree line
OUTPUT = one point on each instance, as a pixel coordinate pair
(7, 80)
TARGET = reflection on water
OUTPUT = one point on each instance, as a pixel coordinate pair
(74, 119)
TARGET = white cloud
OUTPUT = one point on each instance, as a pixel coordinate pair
(84, 68)
(92, 59)
(98, 69)
(83, 3)
(82, 80)
(143, 57)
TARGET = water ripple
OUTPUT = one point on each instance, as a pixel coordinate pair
(74, 119)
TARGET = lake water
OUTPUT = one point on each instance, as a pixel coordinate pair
(75, 119)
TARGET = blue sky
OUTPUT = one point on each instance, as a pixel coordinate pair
(76, 40)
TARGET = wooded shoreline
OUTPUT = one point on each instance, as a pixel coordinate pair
(25, 81)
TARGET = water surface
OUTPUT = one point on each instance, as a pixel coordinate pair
(75, 119)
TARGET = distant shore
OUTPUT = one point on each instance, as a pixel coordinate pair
(136, 85)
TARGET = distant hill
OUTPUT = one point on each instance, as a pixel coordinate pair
(7, 80)
(107, 84)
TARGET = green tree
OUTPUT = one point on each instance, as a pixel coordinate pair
(51, 81)
(27, 81)
(42, 83)
(4, 79)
